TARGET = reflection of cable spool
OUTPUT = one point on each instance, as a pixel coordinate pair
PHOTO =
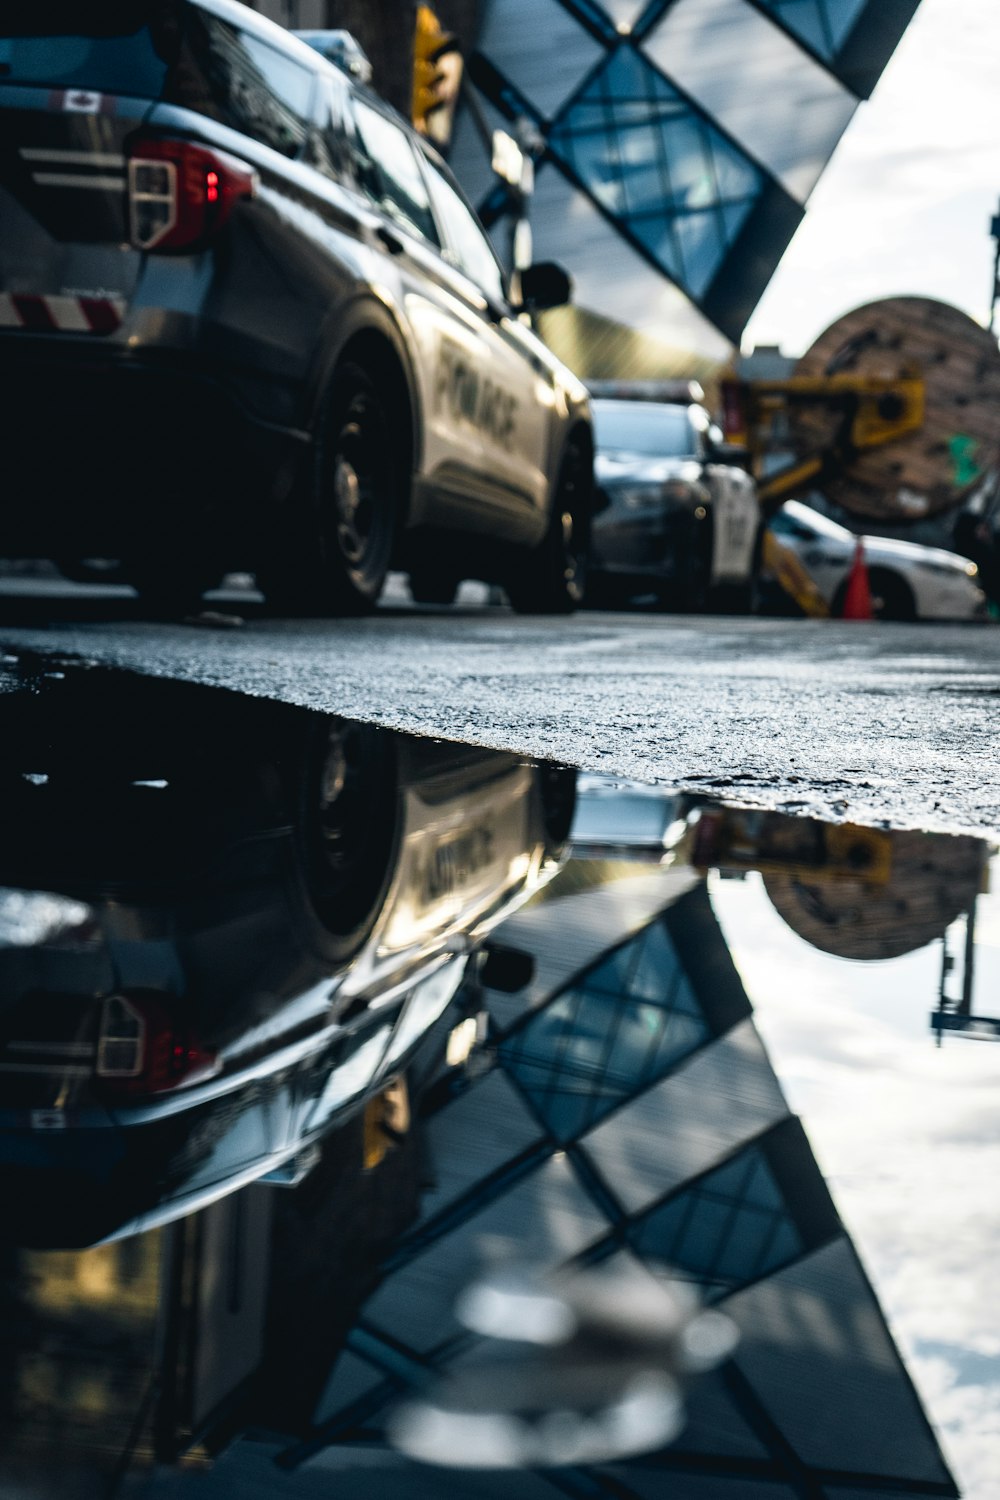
(934, 878)
(935, 468)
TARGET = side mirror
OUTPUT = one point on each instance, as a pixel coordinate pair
(545, 285)
(729, 453)
(506, 969)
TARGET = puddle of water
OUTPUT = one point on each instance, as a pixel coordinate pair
(427, 1109)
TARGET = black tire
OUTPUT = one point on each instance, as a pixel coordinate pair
(552, 579)
(334, 556)
(91, 569)
(433, 586)
(892, 597)
(604, 592)
(169, 588)
(688, 591)
(744, 598)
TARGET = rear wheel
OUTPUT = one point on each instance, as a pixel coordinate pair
(168, 587)
(891, 596)
(688, 589)
(336, 558)
(551, 580)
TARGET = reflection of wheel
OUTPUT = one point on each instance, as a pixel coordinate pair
(349, 828)
(91, 569)
(892, 597)
(430, 585)
(558, 789)
(338, 560)
(551, 579)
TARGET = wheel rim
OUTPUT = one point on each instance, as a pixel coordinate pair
(360, 493)
(349, 824)
(357, 470)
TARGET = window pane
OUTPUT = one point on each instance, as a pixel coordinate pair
(466, 239)
(390, 174)
(243, 83)
(645, 427)
(330, 146)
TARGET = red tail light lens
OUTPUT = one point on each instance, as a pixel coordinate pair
(181, 194)
(142, 1047)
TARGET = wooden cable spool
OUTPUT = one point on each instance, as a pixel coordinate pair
(932, 470)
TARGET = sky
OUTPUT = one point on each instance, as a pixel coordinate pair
(908, 1138)
(905, 205)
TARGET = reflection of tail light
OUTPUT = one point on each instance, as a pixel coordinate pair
(181, 194)
(143, 1049)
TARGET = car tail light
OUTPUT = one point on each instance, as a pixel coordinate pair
(142, 1048)
(181, 194)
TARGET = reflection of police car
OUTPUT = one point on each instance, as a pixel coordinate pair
(673, 517)
(216, 944)
(247, 320)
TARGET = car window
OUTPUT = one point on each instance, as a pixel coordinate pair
(329, 148)
(51, 44)
(647, 427)
(809, 524)
(467, 244)
(388, 172)
(233, 77)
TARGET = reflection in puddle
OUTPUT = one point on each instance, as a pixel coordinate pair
(407, 1093)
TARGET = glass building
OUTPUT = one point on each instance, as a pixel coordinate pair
(677, 144)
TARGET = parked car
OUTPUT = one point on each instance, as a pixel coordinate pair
(224, 924)
(908, 581)
(249, 322)
(675, 517)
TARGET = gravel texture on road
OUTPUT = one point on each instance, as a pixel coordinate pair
(891, 724)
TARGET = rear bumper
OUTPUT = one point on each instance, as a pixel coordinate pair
(107, 453)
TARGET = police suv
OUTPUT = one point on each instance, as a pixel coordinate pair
(676, 516)
(248, 320)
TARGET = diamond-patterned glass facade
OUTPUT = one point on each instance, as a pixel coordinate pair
(824, 25)
(670, 177)
(729, 1228)
(621, 1026)
(697, 128)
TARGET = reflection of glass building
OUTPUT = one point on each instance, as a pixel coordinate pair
(681, 139)
(627, 1113)
(632, 1112)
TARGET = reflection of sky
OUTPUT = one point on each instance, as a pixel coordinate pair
(908, 1137)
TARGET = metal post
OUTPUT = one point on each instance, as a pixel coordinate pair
(969, 969)
(995, 232)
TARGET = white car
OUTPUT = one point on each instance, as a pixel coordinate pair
(908, 581)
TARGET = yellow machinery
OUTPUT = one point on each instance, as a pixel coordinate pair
(894, 414)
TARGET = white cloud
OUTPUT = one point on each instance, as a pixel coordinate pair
(905, 205)
(908, 1137)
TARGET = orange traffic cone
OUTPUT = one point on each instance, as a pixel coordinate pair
(858, 595)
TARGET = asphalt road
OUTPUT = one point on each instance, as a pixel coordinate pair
(891, 724)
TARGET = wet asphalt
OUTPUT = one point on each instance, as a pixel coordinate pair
(886, 724)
